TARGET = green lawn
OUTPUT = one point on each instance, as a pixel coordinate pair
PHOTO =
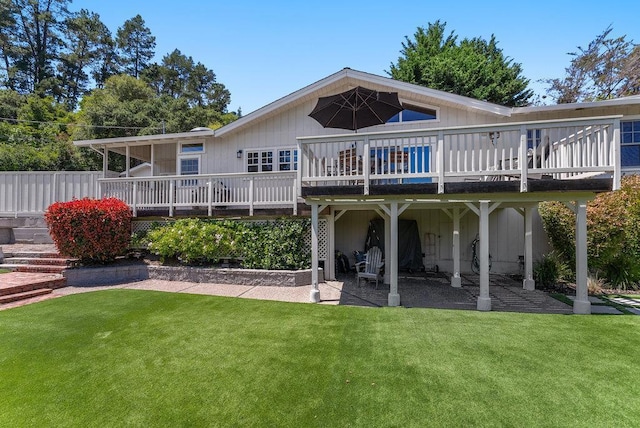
(4, 271)
(141, 358)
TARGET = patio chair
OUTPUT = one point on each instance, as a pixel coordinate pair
(371, 267)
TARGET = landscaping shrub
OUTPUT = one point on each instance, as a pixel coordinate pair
(280, 244)
(550, 269)
(92, 230)
(613, 235)
(277, 245)
(195, 241)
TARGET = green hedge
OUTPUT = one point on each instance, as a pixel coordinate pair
(279, 244)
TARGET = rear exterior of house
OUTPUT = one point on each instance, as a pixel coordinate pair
(461, 168)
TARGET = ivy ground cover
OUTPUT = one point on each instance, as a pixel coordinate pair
(140, 358)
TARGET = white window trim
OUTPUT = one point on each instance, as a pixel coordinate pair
(186, 157)
(180, 152)
(275, 156)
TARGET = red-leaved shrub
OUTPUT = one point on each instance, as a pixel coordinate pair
(92, 230)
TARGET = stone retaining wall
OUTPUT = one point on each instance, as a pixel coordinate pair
(103, 275)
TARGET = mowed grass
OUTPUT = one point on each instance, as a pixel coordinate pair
(140, 358)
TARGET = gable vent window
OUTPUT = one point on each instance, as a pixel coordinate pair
(412, 113)
(191, 148)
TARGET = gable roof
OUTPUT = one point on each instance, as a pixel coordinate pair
(352, 78)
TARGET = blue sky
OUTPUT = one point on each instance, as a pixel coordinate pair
(264, 50)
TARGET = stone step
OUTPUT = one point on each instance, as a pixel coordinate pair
(21, 282)
(51, 261)
(24, 295)
(33, 254)
(40, 268)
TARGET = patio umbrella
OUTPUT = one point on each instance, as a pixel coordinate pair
(356, 108)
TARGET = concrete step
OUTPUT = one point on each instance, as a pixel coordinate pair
(35, 235)
(24, 295)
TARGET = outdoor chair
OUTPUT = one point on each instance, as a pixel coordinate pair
(371, 267)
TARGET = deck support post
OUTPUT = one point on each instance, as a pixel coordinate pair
(528, 282)
(330, 264)
(315, 289)
(484, 300)
(456, 280)
(392, 257)
(581, 305)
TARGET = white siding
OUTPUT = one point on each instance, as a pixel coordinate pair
(505, 225)
(281, 130)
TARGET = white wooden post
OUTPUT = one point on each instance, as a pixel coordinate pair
(484, 301)
(456, 280)
(440, 161)
(581, 305)
(330, 265)
(392, 258)
(302, 156)
(251, 189)
(528, 283)
(295, 196)
(315, 290)
(105, 162)
(209, 196)
(616, 155)
(128, 160)
(153, 160)
(366, 161)
(172, 195)
(523, 160)
(387, 246)
(134, 198)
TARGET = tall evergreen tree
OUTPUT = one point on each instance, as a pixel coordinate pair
(136, 45)
(85, 35)
(37, 38)
(473, 67)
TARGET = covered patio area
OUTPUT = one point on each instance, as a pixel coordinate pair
(433, 290)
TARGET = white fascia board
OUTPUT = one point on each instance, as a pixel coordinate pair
(144, 139)
(624, 101)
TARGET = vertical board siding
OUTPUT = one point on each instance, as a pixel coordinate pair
(32, 192)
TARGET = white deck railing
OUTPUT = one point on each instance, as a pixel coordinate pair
(560, 149)
(31, 192)
(264, 190)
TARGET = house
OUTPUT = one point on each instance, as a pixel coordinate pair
(459, 167)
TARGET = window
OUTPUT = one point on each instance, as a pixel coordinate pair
(266, 161)
(260, 161)
(191, 148)
(534, 138)
(263, 160)
(413, 113)
(630, 143)
(287, 160)
(189, 166)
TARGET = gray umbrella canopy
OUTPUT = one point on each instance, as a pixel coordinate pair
(356, 108)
